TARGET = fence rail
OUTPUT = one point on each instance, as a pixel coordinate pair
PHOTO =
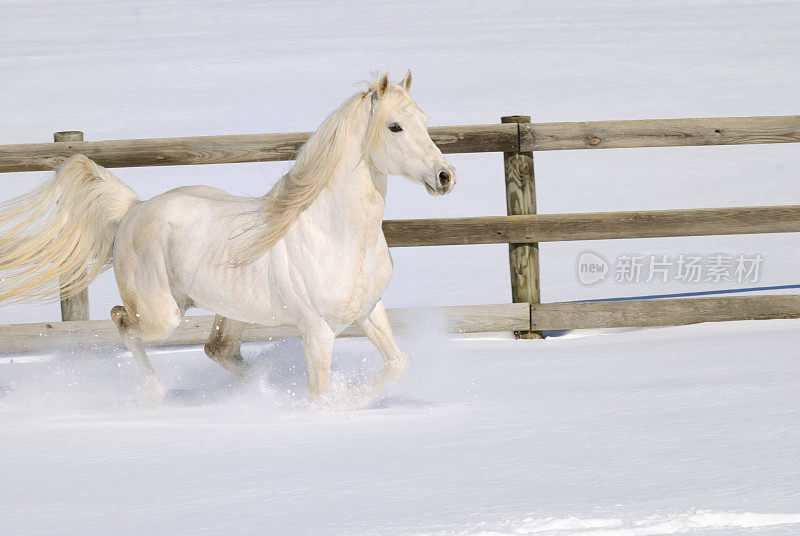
(226, 149)
(592, 226)
(42, 336)
(659, 133)
(506, 137)
(522, 228)
(662, 312)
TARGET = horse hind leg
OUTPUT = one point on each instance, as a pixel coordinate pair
(224, 345)
(151, 391)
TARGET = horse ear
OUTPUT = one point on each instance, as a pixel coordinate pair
(383, 85)
(406, 83)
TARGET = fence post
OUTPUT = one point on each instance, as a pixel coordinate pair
(76, 307)
(521, 199)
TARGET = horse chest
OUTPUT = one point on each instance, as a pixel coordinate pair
(355, 281)
(372, 279)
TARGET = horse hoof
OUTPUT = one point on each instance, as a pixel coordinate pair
(235, 364)
(150, 393)
(324, 405)
(356, 397)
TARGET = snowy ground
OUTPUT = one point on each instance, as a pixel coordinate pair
(670, 431)
(689, 429)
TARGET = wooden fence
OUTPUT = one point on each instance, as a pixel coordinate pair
(522, 228)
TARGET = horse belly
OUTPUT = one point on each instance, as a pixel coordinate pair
(246, 304)
(240, 292)
(198, 255)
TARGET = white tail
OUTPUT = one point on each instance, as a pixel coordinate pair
(61, 235)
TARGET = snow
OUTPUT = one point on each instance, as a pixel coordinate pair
(689, 429)
(684, 430)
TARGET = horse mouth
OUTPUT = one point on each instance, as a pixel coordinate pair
(435, 191)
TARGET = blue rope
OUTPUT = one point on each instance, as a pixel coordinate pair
(685, 294)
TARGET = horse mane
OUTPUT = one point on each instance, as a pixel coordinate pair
(313, 169)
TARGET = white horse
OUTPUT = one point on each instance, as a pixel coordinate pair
(311, 252)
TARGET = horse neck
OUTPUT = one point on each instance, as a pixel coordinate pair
(356, 193)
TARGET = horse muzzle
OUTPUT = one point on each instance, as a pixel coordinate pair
(444, 182)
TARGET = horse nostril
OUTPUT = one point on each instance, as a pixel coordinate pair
(444, 177)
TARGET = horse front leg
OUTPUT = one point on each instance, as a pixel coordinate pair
(378, 330)
(224, 345)
(318, 347)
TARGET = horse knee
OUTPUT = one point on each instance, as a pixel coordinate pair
(119, 315)
(149, 325)
(157, 326)
(125, 324)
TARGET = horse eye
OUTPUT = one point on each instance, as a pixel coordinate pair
(395, 127)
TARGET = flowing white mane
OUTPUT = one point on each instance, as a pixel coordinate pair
(316, 163)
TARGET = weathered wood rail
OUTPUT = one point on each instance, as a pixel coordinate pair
(659, 133)
(663, 312)
(44, 336)
(522, 228)
(506, 137)
(195, 329)
(592, 226)
(226, 149)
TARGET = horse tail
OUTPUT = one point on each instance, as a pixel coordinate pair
(60, 236)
